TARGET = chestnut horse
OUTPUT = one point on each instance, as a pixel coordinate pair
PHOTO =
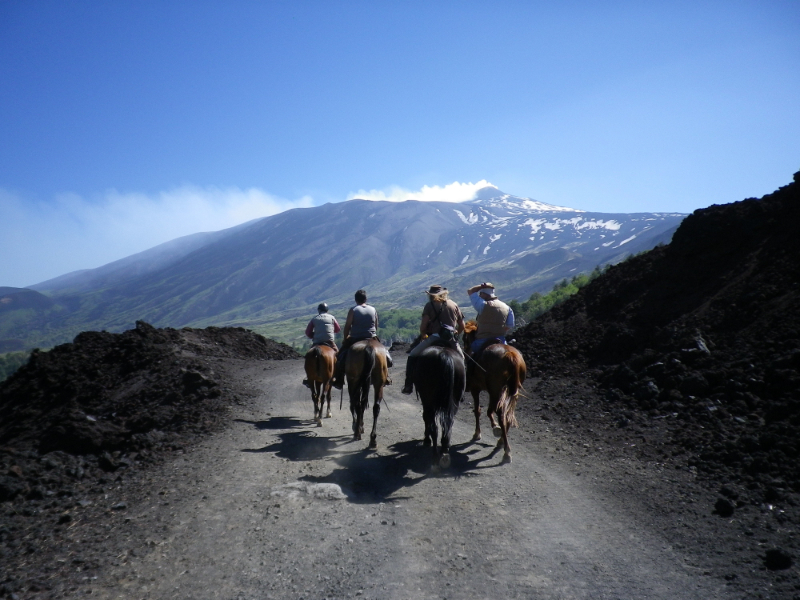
(500, 371)
(320, 361)
(366, 364)
(440, 380)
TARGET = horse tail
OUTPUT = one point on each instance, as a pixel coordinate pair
(445, 407)
(365, 377)
(322, 367)
(507, 404)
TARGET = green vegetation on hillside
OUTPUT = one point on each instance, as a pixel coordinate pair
(396, 325)
(402, 324)
(399, 324)
(10, 362)
(539, 304)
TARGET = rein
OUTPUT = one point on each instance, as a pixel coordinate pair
(475, 362)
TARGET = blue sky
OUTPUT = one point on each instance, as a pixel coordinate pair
(127, 124)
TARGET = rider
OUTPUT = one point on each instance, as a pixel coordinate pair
(441, 319)
(361, 324)
(321, 330)
(495, 318)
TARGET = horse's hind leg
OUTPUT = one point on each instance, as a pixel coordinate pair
(327, 392)
(319, 401)
(428, 418)
(504, 441)
(444, 458)
(476, 402)
(434, 434)
(376, 410)
(502, 417)
(494, 416)
(356, 412)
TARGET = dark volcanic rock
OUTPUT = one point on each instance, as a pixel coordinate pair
(78, 419)
(105, 392)
(701, 340)
(776, 559)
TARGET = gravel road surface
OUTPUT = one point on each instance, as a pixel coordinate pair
(275, 507)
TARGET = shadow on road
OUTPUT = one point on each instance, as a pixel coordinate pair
(365, 475)
(275, 423)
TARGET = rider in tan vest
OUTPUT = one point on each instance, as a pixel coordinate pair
(495, 317)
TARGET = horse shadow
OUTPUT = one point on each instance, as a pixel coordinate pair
(366, 476)
(275, 423)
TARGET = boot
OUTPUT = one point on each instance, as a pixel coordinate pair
(337, 381)
(306, 383)
(408, 388)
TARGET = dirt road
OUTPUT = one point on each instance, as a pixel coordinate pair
(275, 507)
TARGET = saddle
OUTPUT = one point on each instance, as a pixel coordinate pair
(451, 343)
(476, 356)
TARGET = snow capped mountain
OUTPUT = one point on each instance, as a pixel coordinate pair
(509, 227)
(500, 202)
(282, 266)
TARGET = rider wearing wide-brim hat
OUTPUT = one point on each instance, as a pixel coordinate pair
(442, 320)
(495, 317)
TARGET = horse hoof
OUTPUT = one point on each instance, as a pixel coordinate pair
(329, 415)
(444, 461)
(319, 422)
(476, 437)
(497, 431)
(373, 445)
(426, 443)
(506, 459)
(499, 442)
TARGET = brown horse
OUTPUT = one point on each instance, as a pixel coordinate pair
(500, 371)
(320, 361)
(440, 379)
(366, 364)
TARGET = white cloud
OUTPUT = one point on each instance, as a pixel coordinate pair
(42, 240)
(454, 192)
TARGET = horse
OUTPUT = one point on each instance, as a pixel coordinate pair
(440, 380)
(500, 371)
(319, 364)
(366, 364)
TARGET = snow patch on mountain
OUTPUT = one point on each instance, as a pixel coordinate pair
(471, 220)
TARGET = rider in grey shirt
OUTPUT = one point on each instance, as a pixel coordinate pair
(361, 324)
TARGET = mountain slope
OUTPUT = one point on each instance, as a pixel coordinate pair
(282, 266)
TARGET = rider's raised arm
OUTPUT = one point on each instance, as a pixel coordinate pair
(475, 288)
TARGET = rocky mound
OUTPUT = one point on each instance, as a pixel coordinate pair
(108, 400)
(699, 342)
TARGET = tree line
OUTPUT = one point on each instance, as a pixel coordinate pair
(538, 304)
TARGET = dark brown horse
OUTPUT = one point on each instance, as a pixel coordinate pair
(440, 380)
(320, 361)
(500, 371)
(366, 365)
